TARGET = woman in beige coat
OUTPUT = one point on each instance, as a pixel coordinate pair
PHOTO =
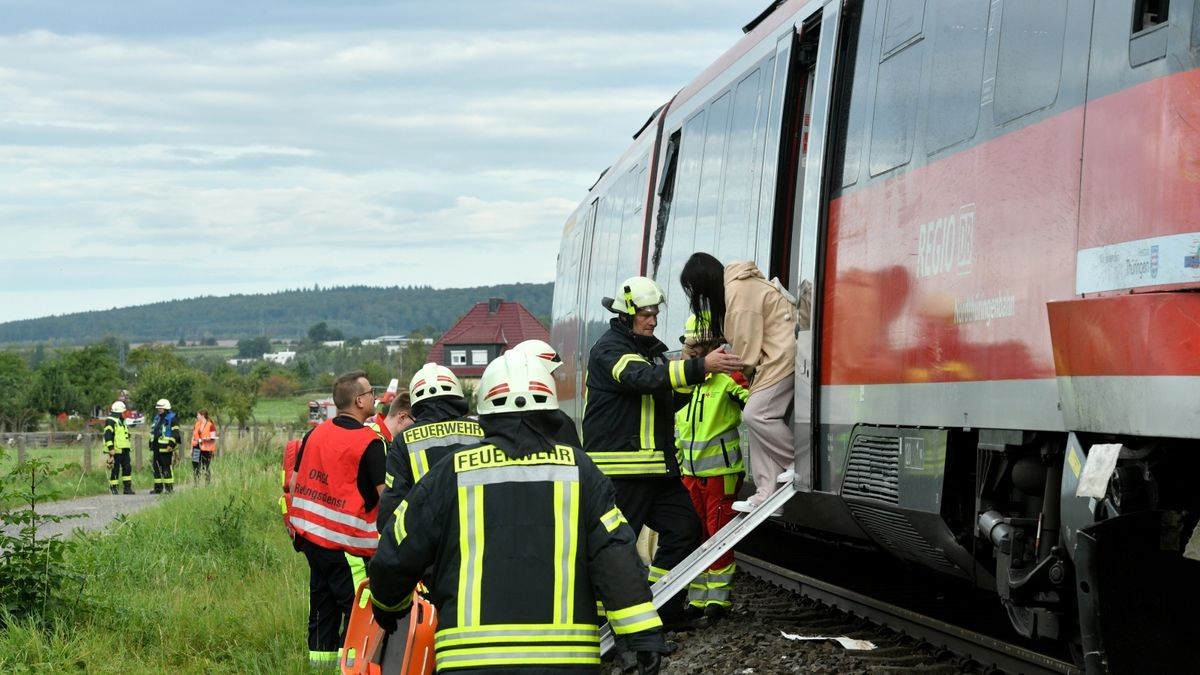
(758, 321)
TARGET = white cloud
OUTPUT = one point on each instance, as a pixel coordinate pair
(277, 155)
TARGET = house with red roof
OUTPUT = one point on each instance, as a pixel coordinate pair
(487, 331)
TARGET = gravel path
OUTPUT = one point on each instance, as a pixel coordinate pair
(96, 512)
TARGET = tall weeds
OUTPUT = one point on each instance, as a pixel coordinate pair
(204, 582)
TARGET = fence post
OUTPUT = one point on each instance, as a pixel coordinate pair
(87, 452)
(254, 435)
(22, 441)
(137, 452)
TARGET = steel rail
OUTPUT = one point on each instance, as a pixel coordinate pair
(983, 648)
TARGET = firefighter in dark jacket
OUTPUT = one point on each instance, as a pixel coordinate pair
(440, 426)
(334, 503)
(565, 433)
(164, 436)
(117, 445)
(524, 536)
(632, 394)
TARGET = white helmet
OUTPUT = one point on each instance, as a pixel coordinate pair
(433, 380)
(118, 406)
(542, 350)
(163, 403)
(633, 294)
(516, 382)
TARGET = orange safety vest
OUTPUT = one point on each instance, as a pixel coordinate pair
(202, 433)
(326, 507)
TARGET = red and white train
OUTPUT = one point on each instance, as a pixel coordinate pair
(997, 203)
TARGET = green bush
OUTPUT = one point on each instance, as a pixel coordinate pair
(35, 578)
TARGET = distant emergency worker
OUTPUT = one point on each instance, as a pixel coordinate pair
(566, 432)
(440, 426)
(629, 430)
(710, 459)
(523, 535)
(333, 506)
(398, 417)
(204, 446)
(117, 445)
(164, 437)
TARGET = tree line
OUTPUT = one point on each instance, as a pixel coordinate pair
(353, 311)
(64, 387)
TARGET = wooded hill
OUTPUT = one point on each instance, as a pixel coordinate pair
(356, 311)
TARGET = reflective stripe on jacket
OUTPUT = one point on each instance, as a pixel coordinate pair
(326, 507)
(706, 429)
(522, 547)
(632, 393)
(415, 451)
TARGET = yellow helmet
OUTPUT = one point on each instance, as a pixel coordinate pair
(516, 382)
(633, 294)
(699, 330)
(542, 350)
(433, 380)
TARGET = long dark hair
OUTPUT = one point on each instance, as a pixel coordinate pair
(703, 281)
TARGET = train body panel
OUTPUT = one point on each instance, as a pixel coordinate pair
(997, 208)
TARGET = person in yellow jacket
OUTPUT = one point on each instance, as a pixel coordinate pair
(117, 445)
(710, 461)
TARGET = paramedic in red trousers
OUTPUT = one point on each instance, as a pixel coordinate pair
(632, 394)
(335, 500)
(524, 536)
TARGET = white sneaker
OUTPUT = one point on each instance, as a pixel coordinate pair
(744, 506)
(786, 477)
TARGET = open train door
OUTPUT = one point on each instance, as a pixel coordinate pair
(798, 242)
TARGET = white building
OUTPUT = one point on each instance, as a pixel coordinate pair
(282, 358)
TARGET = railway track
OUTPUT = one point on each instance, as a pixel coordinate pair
(978, 646)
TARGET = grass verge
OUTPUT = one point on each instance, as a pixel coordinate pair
(205, 582)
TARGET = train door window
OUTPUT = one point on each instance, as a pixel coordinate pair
(666, 193)
(1148, 34)
(959, 42)
(1029, 60)
(1196, 26)
(735, 231)
(903, 23)
(711, 171)
(897, 86)
(851, 93)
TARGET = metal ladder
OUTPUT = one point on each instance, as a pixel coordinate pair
(726, 538)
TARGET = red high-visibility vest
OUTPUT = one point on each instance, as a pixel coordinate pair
(326, 507)
(289, 469)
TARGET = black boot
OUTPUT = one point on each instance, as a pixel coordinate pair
(112, 489)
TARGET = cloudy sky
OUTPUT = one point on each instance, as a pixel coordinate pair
(152, 150)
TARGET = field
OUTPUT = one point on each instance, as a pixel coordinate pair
(203, 582)
(190, 353)
(288, 410)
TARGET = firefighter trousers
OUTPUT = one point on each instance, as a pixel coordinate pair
(162, 470)
(122, 471)
(663, 504)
